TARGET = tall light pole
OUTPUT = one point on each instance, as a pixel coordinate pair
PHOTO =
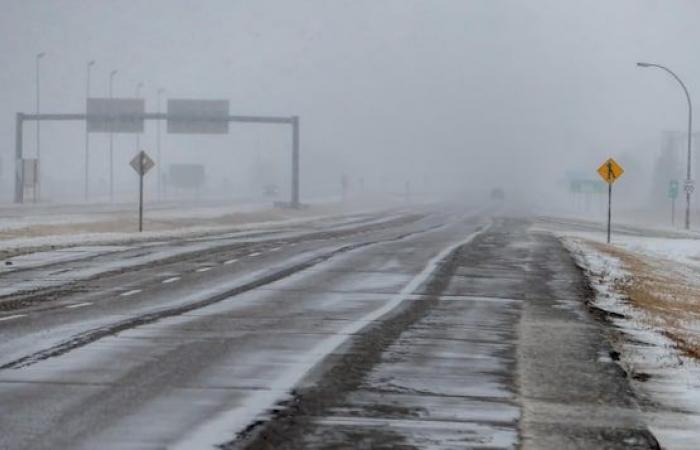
(87, 134)
(688, 179)
(158, 160)
(111, 142)
(37, 185)
(138, 135)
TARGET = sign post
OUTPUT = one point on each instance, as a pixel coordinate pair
(141, 163)
(30, 174)
(610, 171)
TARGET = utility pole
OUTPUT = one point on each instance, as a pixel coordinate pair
(610, 178)
(37, 183)
(87, 134)
(138, 135)
(158, 159)
(295, 162)
(111, 143)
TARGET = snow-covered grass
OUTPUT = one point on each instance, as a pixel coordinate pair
(674, 249)
(65, 227)
(21, 245)
(605, 273)
(651, 293)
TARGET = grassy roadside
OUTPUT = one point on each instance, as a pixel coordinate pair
(668, 298)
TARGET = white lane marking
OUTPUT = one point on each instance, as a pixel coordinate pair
(16, 316)
(276, 249)
(254, 254)
(226, 423)
(203, 269)
(78, 305)
(128, 293)
(230, 261)
(170, 280)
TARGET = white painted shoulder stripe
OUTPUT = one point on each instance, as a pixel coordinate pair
(226, 425)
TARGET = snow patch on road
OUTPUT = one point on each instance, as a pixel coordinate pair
(230, 423)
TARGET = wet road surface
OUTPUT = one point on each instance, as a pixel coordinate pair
(497, 351)
(438, 330)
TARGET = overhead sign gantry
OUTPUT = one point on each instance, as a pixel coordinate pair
(127, 115)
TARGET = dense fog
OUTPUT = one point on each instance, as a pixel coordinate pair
(445, 98)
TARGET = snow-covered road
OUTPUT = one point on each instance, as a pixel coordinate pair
(431, 329)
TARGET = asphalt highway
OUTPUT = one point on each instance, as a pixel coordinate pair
(433, 328)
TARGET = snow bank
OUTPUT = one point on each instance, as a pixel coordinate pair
(666, 380)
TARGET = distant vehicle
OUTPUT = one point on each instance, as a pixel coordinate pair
(270, 190)
(497, 194)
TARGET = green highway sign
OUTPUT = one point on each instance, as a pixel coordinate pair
(673, 189)
(587, 186)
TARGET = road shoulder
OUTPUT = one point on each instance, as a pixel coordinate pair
(496, 351)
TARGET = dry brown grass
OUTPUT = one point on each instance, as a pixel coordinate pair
(129, 222)
(669, 297)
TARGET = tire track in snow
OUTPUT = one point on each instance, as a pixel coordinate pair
(90, 336)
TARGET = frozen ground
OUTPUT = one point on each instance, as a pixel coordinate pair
(29, 228)
(646, 284)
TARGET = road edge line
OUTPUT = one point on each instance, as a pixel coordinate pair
(229, 424)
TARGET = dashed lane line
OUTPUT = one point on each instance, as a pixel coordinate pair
(170, 280)
(230, 261)
(129, 293)
(254, 254)
(78, 305)
(223, 293)
(203, 269)
(15, 316)
(216, 430)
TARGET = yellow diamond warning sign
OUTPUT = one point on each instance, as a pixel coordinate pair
(610, 171)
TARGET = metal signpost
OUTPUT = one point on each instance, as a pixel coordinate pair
(141, 163)
(183, 116)
(689, 186)
(673, 194)
(610, 171)
(30, 173)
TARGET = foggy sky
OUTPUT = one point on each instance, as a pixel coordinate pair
(454, 95)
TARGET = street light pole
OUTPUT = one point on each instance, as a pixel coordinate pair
(158, 160)
(37, 185)
(87, 134)
(111, 143)
(688, 180)
(138, 135)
